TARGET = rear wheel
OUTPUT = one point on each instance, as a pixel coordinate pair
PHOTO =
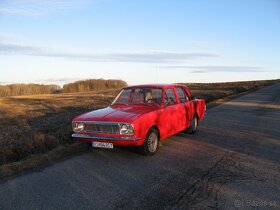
(193, 126)
(151, 143)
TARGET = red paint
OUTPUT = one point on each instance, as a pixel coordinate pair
(169, 120)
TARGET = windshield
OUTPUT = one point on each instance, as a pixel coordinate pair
(147, 96)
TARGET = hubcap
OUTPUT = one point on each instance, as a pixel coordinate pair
(152, 142)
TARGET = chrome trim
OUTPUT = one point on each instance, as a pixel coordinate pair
(102, 122)
(105, 123)
(102, 128)
(104, 137)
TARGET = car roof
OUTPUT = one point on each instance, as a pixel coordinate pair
(155, 85)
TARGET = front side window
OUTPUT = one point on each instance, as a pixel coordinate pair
(169, 97)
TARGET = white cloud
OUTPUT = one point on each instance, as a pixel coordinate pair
(138, 57)
(38, 7)
(59, 81)
(11, 38)
(19, 11)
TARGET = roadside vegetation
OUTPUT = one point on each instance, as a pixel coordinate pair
(79, 86)
(92, 85)
(38, 127)
(27, 89)
(213, 91)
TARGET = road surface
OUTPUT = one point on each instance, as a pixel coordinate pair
(231, 163)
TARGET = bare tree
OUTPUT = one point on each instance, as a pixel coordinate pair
(93, 84)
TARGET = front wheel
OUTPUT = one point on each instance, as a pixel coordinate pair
(193, 126)
(151, 142)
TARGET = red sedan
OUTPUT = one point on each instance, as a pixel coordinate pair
(141, 116)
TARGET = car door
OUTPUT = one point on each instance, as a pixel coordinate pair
(169, 121)
(189, 106)
(183, 107)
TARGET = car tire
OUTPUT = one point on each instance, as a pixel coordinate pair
(193, 127)
(151, 143)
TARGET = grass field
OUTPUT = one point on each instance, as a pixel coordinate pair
(32, 126)
(36, 124)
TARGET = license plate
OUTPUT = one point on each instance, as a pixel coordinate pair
(102, 145)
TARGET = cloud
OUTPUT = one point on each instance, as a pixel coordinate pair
(138, 57)
(38, 7)
(59, 81)
(50, 81)
(11, 38)
(207, 69)
(7, 48)
(19, 11)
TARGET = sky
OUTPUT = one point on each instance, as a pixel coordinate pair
(139, 41)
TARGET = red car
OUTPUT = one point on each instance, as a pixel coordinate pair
(141, 116)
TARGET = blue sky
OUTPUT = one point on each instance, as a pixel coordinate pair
(139, 41)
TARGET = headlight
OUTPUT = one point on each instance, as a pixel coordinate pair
(78, 126)
(126, 129)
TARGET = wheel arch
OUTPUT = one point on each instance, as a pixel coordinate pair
(156, 128)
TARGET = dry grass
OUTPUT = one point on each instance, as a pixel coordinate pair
(39, 123)
(213, 91)
(36, 129)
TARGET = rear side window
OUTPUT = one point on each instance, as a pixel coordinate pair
(182, 95)
(169, 97)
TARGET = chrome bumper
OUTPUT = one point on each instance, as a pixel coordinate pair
(104, 137)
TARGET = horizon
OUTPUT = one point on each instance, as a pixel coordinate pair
(139, 42)
(61, 85)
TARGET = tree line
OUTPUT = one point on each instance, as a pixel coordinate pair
(93, 84)
(26, 89)
(79, 86)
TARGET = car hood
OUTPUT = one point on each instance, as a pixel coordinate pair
(116, 113)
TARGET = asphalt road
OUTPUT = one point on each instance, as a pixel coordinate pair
(231, 163)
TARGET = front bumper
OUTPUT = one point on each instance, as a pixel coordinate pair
(106, 138)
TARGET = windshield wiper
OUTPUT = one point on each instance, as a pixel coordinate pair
(119, 104)
(144, 104)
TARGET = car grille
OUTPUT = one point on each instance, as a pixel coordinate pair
(102, 128)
